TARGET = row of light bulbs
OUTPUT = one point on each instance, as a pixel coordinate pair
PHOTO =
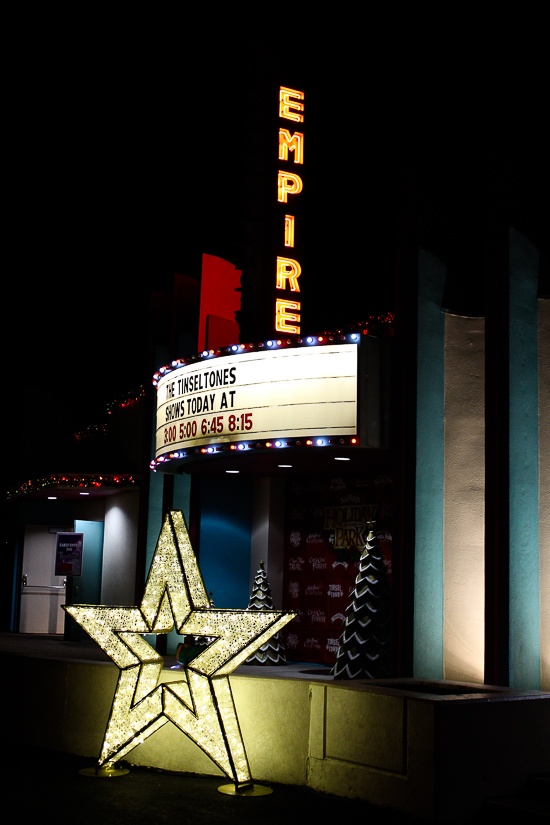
(244, 445)
(353, 337)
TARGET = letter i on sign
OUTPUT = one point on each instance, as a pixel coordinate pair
(289, 184)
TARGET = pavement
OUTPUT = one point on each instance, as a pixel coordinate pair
(44, 781)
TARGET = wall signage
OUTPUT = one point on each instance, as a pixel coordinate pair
(68, 554)
(282, 393)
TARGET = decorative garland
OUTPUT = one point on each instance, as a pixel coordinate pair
(73, 482)
(126, 400)
(119, 403)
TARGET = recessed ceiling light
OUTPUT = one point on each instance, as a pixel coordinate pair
(232, 471)
(284, 465)
(84, 494)
(52, 498)
(337, 458)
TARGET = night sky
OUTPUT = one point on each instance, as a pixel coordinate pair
(129, 164)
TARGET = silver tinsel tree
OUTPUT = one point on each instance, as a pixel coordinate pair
(273, 651)
(364, 651)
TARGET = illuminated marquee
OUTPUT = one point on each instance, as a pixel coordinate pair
(291, 392)
(201, 705)
(289, 184)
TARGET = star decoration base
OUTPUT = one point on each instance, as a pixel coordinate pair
(104, 772)
(249, 790)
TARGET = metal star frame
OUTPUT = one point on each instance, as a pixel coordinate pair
(201, 706)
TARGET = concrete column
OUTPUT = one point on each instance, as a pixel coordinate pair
(428, 566)
(268, 534)
(120, 549)
(544, 487)
(464, 505)
(524, 470)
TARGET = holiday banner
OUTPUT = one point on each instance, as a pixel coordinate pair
(326, 529)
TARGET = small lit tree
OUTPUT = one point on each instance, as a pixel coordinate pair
(273, 651)
(364, 651)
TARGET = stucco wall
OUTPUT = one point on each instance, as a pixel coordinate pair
(431, 755)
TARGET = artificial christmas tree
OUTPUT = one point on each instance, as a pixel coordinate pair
(273, 651)
(364, 650)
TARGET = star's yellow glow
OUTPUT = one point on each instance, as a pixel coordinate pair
(202, 705)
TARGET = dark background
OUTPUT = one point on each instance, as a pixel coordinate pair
(130, 157)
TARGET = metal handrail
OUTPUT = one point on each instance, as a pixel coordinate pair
(43, 586)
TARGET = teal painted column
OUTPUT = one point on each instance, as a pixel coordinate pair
(86, 589)
(182, 495)
(226, 538)
(428, 570)
(523, 457)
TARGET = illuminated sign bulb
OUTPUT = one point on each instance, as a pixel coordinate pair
(290, 107)
(288, 270)
(285, 316)
(288, 184)
(291, 143)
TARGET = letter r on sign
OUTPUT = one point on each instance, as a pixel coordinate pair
(288, 269)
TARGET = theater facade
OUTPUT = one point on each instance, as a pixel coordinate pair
(426, 422)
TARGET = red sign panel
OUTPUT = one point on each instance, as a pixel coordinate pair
(327, 523)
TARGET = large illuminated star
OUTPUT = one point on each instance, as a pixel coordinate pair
(202, 705)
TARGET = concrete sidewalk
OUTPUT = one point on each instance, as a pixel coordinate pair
(40, 782)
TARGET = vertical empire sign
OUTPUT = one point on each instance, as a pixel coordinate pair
(289, 187)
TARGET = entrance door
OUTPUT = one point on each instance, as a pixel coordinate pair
(86, 589)
(42, 593)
